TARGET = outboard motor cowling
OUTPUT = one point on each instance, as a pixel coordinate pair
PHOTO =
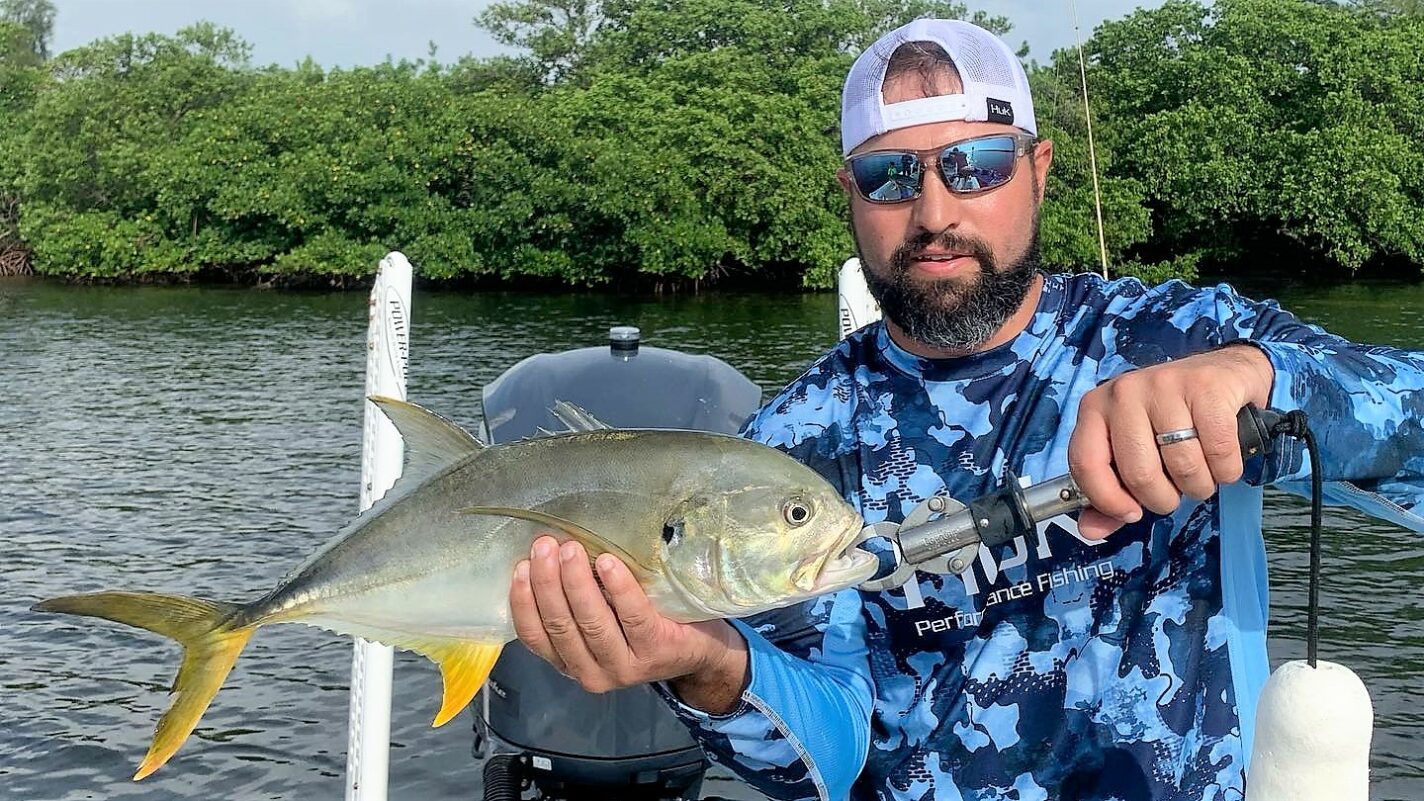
(570, 743)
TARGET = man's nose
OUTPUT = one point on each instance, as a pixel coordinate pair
(937, 209)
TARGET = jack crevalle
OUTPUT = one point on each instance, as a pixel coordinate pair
(712, 526)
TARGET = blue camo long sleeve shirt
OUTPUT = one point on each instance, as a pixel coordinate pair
(1055, 668)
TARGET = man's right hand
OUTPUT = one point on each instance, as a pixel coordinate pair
(606, 643)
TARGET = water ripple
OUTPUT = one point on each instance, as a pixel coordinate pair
(204, 441)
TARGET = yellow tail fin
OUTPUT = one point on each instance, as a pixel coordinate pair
(211, 644)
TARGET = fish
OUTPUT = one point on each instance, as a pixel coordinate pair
(711, 525)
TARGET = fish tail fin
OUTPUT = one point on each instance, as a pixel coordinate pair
(211, 644)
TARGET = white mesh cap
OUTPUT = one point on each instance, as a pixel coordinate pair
(995, 86)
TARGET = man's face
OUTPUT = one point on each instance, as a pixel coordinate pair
(949, 270)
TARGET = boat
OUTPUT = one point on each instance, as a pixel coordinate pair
(537, 731)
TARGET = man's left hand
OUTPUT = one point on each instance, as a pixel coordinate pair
(1114, 455)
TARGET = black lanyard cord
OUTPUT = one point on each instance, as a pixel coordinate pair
(1294, 424)
(1317, 484)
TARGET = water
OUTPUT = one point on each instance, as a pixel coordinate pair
(205, 440)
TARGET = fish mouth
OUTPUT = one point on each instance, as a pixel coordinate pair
(848, 566)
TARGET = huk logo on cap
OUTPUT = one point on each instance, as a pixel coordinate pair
(1001, 111)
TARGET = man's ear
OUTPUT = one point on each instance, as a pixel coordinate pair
(1042, 160)
(843, 175)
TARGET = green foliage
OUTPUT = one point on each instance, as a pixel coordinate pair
(1068, 222)
(567, 38)
(101, 145)
(663, 142)
(20, 81)
(36, 19)
(1270, 130)
(640, 141)
(555, 32)
(1409, 8)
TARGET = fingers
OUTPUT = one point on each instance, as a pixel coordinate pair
(546, 580)
(1095, 525)
(561, 613)
(1220, 445)
(528, 626)
(602, 637)
(1185, 466)
(636, 615)
(1114, 455)
(1090, 461)
(597, 626)
(1138, 462)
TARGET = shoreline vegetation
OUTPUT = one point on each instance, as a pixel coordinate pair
(675, 147)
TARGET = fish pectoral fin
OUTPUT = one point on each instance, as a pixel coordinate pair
(464, 666)
(432, 442)
(594, 543)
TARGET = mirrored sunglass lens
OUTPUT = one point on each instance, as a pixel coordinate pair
(886, 177)
(981, 164)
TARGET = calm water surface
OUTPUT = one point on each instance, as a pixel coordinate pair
(205, 440)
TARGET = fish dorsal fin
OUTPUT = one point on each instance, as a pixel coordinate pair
(432, 442)
(577, 418)
(593, 543)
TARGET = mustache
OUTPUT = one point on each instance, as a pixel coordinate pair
(955, 243)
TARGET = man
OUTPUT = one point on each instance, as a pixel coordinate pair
(964, 177)
(895, 180)
(1076, 665)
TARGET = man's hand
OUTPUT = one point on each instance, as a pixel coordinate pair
(621, 640)
(1114, 455)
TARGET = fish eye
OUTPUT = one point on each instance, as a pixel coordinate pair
(672, 531)
(796, 512)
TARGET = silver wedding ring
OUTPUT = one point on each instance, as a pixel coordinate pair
(1180, 435)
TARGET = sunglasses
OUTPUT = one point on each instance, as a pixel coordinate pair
(967, 167)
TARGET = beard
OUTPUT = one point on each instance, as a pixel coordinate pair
(955, 314)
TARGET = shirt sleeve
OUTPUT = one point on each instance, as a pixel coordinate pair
(1365, 405)
(802, 729)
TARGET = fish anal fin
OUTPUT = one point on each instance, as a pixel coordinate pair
(464, 666)
(594, 543)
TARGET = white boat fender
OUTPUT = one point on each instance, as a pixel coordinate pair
(1313, 728)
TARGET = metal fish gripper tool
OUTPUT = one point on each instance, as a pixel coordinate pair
(942, 535)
